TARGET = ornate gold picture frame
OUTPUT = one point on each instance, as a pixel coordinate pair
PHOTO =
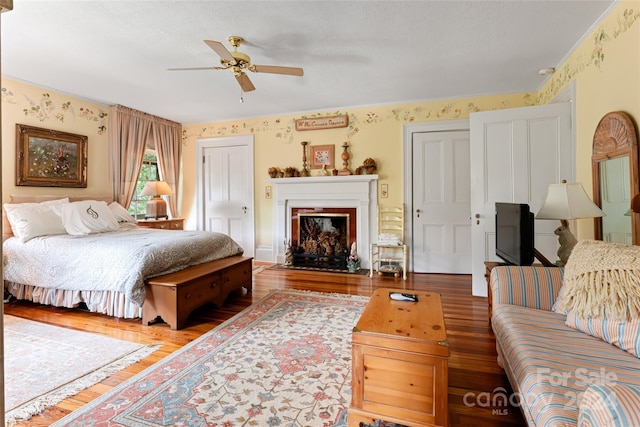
(322, 155)
(50, 158)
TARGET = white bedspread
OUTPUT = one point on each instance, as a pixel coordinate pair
(114, 261)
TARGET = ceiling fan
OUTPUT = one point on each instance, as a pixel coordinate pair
(237, 62)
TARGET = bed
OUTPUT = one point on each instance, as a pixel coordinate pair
(108, 266)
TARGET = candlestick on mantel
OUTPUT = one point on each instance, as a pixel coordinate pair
(305, 169)
(345, 160)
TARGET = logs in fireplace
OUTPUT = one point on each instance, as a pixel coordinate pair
(323, 240)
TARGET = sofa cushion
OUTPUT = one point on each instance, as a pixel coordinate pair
(602, 279)
(621, 333)
(616, 405)
(549, 364)
(534, 287)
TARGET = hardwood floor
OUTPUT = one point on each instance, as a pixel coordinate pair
(474, 376)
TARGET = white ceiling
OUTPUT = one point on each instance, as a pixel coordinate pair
(353, 52)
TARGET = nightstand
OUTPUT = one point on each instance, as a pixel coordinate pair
(164, 224)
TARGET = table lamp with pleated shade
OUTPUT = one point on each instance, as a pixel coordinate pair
(565, 202)
(156, 207)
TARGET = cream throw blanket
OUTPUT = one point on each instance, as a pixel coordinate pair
(602, 280)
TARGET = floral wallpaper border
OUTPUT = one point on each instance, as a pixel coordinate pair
(46, 108)
(574, 66)
(285, 129)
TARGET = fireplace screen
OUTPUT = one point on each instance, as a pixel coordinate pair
(323, 240)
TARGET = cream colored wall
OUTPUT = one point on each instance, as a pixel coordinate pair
(374, 131)
(606, 71)
(30, 105)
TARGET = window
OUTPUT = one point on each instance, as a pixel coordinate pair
(148, 172)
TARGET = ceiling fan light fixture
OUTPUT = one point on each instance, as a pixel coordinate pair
(241, 58)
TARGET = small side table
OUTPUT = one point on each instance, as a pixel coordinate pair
(164, 224)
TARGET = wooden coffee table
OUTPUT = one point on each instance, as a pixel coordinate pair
(400, 362)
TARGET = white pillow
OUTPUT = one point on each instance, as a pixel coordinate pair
(55, 202)
(29, 220)
(86, 217)
(120, 213)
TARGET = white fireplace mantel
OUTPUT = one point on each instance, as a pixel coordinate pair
(348, 191)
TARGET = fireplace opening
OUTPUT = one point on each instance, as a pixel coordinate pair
(322, 239)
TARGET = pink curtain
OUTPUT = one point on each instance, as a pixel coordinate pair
(130, 133)
(167, 136)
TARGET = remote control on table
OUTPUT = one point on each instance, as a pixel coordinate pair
(399, 296)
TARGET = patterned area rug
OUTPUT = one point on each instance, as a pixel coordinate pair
(284, 361)
(45, 364)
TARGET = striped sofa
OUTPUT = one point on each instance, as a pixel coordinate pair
(561, 376)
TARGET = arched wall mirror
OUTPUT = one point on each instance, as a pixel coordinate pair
(615, 178)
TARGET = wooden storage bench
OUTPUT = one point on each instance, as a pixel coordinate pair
(174, 296)
(400, 362)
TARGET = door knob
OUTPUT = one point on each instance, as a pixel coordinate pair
(418, 213)
(244, 209)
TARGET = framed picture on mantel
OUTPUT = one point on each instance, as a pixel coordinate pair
(50, 158)
(322, 155)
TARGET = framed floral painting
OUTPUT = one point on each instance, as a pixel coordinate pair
(322, 155)
(50, 158)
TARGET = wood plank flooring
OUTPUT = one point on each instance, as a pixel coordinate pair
(474, 376)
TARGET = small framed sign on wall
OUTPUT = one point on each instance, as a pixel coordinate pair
(322, 155)
(50, 158)
(318, 123)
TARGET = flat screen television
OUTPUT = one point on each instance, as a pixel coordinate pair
(515, 233)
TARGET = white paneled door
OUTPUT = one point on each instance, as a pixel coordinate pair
(227, 189)
(515, 155)
(441, 202)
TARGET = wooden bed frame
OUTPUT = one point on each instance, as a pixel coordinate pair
(173, 297)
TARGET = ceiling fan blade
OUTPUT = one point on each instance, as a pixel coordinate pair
(221, 51)
(245, 83)
(274, 69)
(191, 68)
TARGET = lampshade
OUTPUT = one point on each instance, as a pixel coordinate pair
(568, 201)
(156, 207)
(156, 188)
